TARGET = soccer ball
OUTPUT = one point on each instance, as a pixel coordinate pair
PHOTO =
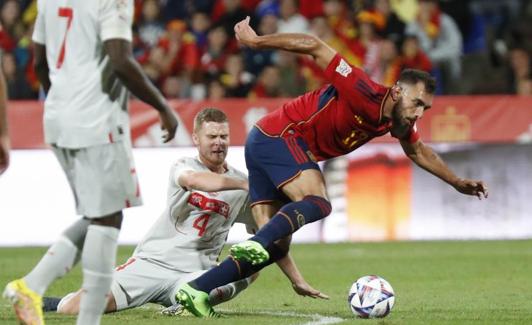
(371, 297)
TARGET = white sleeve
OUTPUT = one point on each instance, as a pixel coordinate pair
(39, 35)
(116, 19)
(177, 169)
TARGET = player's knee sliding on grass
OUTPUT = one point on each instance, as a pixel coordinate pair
(70, 303)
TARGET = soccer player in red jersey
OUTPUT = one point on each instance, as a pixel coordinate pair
(283, 148)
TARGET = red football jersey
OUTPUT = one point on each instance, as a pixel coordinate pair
(338, 118)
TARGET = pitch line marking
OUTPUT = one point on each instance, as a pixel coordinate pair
(317, 319)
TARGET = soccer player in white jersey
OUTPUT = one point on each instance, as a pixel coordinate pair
(205, 197)
(83, 59)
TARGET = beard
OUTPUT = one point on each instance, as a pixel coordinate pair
(399, 124)
(218, 155)
(213, 158)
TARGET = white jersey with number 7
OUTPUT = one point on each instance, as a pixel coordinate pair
(86, 104)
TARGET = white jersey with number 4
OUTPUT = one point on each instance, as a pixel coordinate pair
(86, 104)
(191, 232)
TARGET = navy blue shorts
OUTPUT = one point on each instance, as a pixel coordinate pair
(272, 162)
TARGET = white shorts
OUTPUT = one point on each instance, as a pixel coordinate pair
(103, 178)
(138, 282)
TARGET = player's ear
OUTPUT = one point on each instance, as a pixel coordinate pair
(395, 92)
(195, 138)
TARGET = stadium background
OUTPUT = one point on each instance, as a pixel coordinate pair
(478, 50)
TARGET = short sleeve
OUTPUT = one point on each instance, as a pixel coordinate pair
(116, 19)
(177, 169)
(39, 33)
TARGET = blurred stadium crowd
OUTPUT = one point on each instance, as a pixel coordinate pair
(188, 49)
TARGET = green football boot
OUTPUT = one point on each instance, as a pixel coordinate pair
(250, 251)
(195, 301)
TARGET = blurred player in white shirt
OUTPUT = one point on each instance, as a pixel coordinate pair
(205, 197)
(84, 61)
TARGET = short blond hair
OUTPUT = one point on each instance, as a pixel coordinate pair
(209, 115)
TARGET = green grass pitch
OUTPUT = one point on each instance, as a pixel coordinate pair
(464, 282)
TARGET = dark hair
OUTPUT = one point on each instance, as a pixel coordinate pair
(413, 76)
(209, 115)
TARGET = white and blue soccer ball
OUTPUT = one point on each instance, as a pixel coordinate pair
(371, 297)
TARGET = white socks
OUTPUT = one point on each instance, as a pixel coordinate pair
(57, 261)
(98, 260)
(228, 291)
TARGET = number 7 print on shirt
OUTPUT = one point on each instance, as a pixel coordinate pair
(67, 13)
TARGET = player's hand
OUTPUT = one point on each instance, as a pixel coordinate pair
(4, 153)
(472, 187)
(245, 34)
(305, 290)
(168, 124)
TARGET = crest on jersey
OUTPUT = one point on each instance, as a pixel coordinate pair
(343, 68)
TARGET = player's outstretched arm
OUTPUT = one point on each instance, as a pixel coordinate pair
(293, 42)
(132, 76)
(210, 182)
(4, 136)
(429, 160)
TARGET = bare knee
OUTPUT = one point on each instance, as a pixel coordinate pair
(111, 304)
(70, 304)
(309, 182)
